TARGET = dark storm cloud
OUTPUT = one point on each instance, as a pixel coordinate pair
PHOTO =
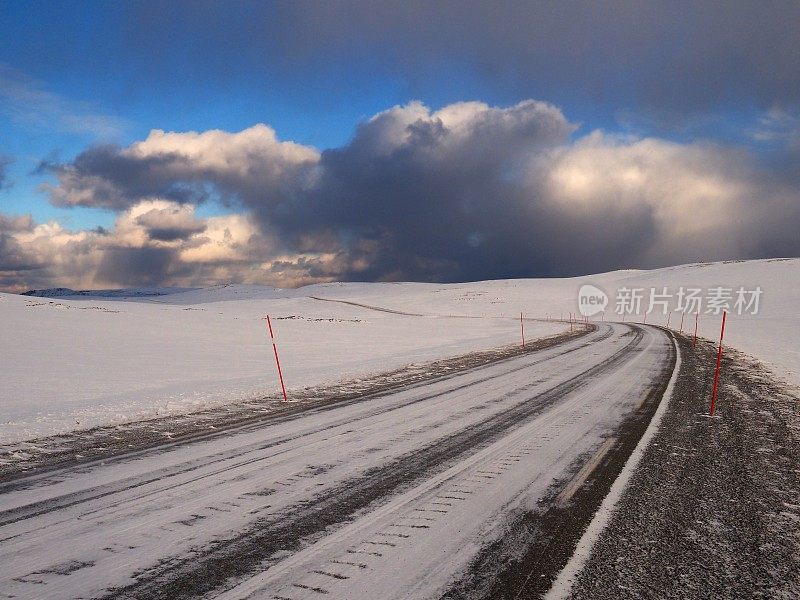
(13, 256)
(429, 200)
(171, 234)
(467, 192)
(137, 266)
(103, 177)
(182, 168)
(671, 59)
(449, 220)
(170, 224)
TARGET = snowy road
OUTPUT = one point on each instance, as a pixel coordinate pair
(384, 497)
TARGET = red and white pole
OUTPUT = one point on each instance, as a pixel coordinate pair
(694, 343)
(522, 329)
(669, 315)
(683, 314)
(719, 361)
(277, 360)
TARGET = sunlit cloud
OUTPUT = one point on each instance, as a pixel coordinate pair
(468, 191)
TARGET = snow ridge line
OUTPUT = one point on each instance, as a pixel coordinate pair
(562, 586)
(369, 306)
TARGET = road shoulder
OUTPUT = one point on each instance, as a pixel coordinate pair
(712, 510)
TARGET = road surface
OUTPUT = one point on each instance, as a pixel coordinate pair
(390, 496)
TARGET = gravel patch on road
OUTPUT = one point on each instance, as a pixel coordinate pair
(713, 510)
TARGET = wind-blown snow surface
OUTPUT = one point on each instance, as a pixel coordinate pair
(76, 363)
(80, 362)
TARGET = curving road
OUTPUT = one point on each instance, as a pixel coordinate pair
(390, 496)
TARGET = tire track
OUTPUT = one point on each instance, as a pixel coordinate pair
(525, 563)
(221, 562)
(463, 365)
(46, 506)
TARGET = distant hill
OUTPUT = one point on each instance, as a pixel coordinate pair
(120, 293)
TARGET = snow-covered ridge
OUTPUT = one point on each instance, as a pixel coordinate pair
(116, 293)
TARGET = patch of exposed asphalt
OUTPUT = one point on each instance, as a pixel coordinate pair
(535, 545)
(713, 511)
(100, 443)
(221, 563)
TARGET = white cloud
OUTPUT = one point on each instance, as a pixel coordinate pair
(182, 167)
(240, 154)
(205, 251)
(468, 191)
(225, 239)
(701, 198)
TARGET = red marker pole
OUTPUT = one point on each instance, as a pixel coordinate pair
(669, 315)
(719, 361)
(277, 360)
(522, 329)
(681, 329)
(694, 343)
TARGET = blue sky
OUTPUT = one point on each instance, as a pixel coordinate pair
(77, 75)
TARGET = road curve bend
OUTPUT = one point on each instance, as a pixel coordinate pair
(390, 497)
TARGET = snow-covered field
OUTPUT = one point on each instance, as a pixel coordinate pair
(84, 361)
(772, 335)
(76, 363)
